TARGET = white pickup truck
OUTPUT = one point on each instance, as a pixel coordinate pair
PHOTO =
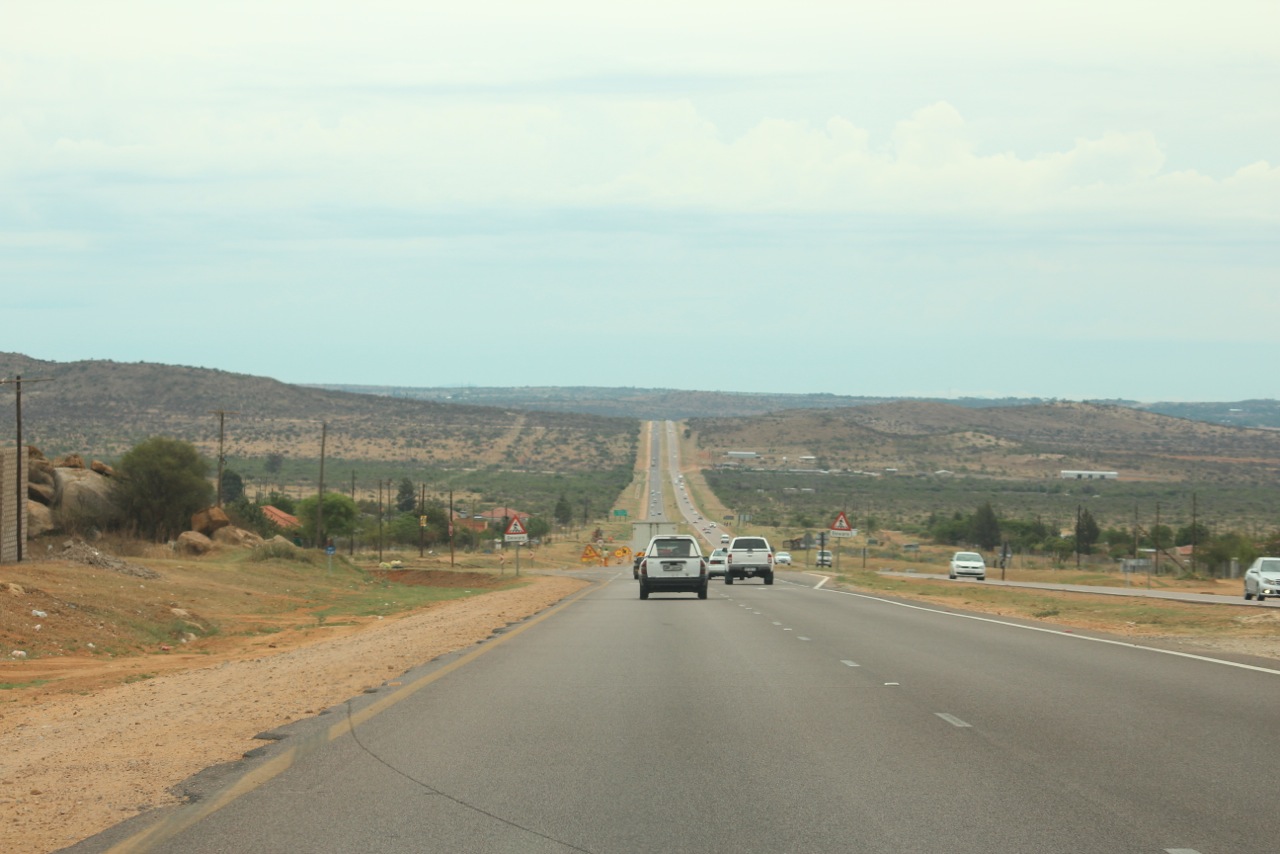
(673, 563)
(749, 557)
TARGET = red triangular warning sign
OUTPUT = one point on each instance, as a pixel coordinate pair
(841, 523)
(515, 527)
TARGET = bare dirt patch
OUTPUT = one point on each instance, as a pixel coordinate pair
(90, 740)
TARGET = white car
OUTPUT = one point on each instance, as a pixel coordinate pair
(969, 564)
(782, 558)
(1262, 578)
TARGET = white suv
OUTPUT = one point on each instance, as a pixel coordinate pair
(968, 564)
(673, 563)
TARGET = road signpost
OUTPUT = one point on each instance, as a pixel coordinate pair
(840, 527)
(517, 534)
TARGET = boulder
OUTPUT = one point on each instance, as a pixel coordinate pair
(233, 536)
(39, 470)
(41, 492)
(193, 543)
(209, 520)
(69, 461)
(82, 495)
(102, 468)
(39, 520)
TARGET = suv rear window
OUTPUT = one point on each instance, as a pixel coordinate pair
(672, 548)
(750, 543)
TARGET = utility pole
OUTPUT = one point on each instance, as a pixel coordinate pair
(1194, 534)
(351, 541)
(320, 543)
(222, 434)
(20, 493)
(1155, 535)
(1077, 536)
(451, 529)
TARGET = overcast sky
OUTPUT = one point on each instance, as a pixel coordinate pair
(871, 197)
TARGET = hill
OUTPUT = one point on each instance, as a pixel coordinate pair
(102, 408)
(1034, 441)
(649, 404)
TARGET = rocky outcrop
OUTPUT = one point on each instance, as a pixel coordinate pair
(209, 520)
(39, 519)
(67, 494)
(81, 495)
(233, 536)
(193, 543)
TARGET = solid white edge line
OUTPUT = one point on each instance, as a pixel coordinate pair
(1063, 634)
(953, 720)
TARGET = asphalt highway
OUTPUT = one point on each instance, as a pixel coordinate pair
(786, 718)
(770, 719)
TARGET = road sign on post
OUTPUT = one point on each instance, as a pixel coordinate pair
(516, 532)
(841, 527)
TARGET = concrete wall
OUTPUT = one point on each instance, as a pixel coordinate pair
(13, 500)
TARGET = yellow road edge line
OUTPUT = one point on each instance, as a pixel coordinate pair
(189, 815)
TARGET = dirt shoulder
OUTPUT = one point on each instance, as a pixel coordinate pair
(75, 764)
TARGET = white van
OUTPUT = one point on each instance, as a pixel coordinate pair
(724, 539)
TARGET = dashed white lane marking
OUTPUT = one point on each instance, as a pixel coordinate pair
(952, 719)
(788, 630)
(776, 623)
(850, 663)
(1181, 851)
(892, 684)
(801, 637)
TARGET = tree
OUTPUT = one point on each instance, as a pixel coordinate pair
(280, 501)
(952, 532)
(232, 486)
(339, 520)
(1193, 534)
(1216, 553)
(161, 483)
(1087, 532)
(275, 462)
(1159, 537)
(986, 527)
(406, 496)
(563, 512)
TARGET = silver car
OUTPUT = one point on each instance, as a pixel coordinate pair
(969, 564)
(1262, 578)
(715, 564)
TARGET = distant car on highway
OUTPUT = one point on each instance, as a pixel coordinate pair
(969, 564)
(1262, 578)
(783, 558)
(716, 563)
(824, 558)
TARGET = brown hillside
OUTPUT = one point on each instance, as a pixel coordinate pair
(1021, 441)
(102, 408)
